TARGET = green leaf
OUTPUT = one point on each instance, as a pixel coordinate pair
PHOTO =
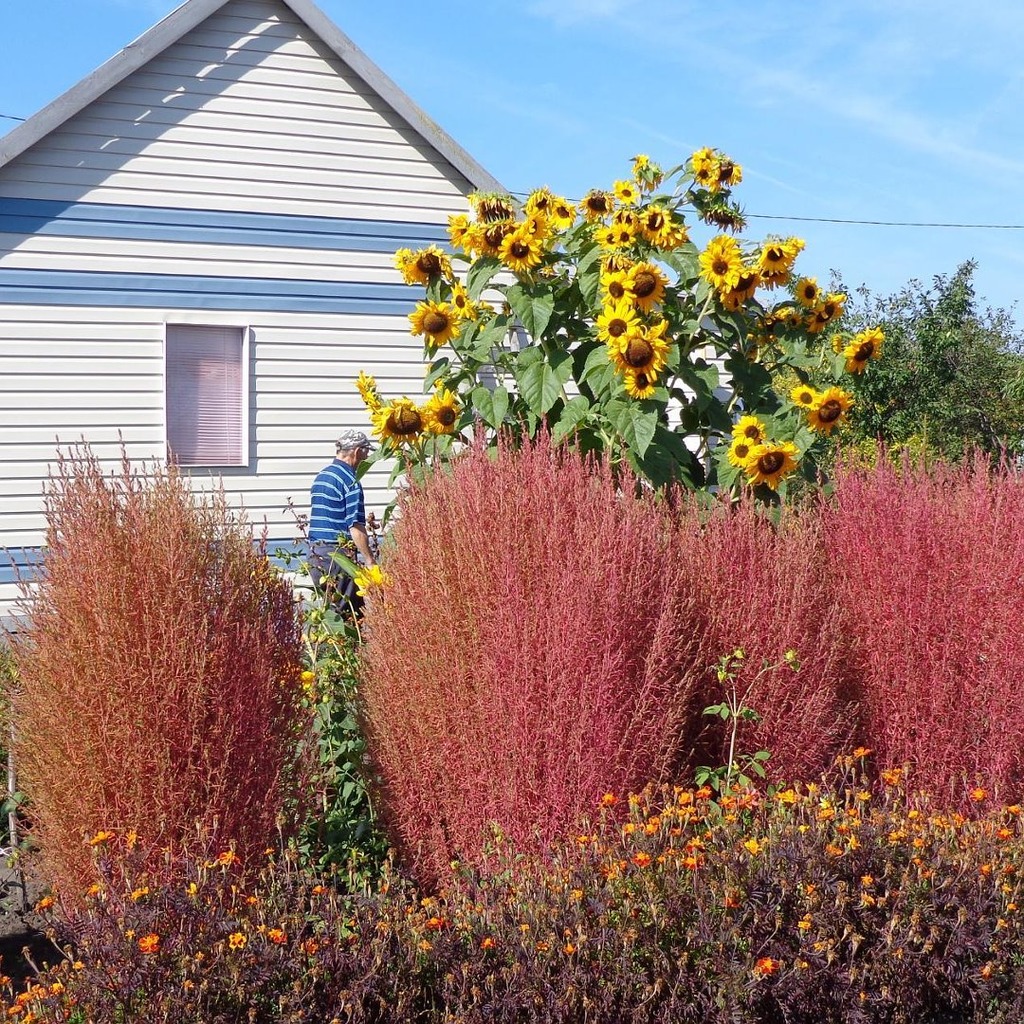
(636, 421)
(489, 337)
(539, 384)
(492, 405)
(573, 414)
(480, 275)
(588, 275)
(438, 368)
(533, 306)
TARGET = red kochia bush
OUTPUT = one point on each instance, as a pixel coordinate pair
(929, 565)
(159, 670)
(530, 654)
(765, 589)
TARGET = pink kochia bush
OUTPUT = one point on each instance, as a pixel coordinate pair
(928, 566)
(159, 671)
(765, 589)
(532, 651)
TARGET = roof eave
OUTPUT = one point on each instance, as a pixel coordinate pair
(186, 17)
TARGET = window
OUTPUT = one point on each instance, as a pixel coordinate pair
(205, 374)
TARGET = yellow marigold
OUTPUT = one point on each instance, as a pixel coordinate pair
(141, 893)
(237, 940)
(609, 800)
(753, 846)
(978, 794)
(149, 943)
(370, 577)
(101, 837)
(487, 942)
(45, 903)
(641, 859)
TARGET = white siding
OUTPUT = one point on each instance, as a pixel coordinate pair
(247, 113)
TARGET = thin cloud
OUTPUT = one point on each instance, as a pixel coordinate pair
(573, 12)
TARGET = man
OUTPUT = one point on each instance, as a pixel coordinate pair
(337, 521)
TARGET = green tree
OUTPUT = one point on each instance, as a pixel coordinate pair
(952, 378)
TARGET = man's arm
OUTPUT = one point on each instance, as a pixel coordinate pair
(362, 542)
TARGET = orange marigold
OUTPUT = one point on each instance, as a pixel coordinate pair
(149, 943)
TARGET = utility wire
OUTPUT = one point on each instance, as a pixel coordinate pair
(885, 223)
(11, 117)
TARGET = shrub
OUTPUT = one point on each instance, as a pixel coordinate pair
(764, 589)
(159, 670)
(813, 906)
(530, 652)
(926, 563)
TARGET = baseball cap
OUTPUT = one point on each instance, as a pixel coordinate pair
(349, 440)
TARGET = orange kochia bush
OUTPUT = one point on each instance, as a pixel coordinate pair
(159, 670)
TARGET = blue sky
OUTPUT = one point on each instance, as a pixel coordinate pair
(879, 110)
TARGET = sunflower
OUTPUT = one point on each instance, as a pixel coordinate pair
(647, 175)
(646, 285)
(829, 411)
(825, 311)
(729, 172)
(614, 286)
(562, 213)
(492, 206)
(721, 263)
(704, 168)
(659, 227)
(745, 288)
(441, 412)
(521, 252)
(436, 321)
(539, 201)
(462, 305)
(769, 463)
(459, 230)
(424, 266)
(616, 262)
(863, 347)
(639, 383)
(536, 225)
(807, 292)
(626, 192)
(643, 350)
(751, 429)
(617, 321)
(804, 395)
(366, 385)
(739, 451)
(596, 204)
(399, 421)
(775, 260)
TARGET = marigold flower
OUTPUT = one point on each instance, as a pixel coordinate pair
(641, 859)
(45, 903)
(892, 776)
(487, 942)
(149, 943)
(978, 794)
(237, 940)
(609, 800)
(101, 837)
(278, 936)
(766, 966)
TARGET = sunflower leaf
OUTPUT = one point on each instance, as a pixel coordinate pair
(437, 369)
(636, 421)
(574, 413)
(491, 405)
(533, 306)
(539, 384)
(480, 275)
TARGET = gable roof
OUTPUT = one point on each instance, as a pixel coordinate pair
(192, 13)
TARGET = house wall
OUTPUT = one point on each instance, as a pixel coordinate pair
(244, 176)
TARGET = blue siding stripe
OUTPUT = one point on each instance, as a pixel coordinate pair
(23, 560)
(216, 227)
(29, 560)
(181, 291)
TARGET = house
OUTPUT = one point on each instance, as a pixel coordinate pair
(196, 252)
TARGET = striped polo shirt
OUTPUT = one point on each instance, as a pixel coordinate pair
(336, 503)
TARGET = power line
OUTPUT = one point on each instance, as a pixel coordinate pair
(11, 117)
(886, 223)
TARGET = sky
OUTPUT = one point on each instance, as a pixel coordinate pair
(875, 110)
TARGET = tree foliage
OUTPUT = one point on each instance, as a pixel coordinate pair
(953, 377)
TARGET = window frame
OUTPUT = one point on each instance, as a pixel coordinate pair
(211, 324)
